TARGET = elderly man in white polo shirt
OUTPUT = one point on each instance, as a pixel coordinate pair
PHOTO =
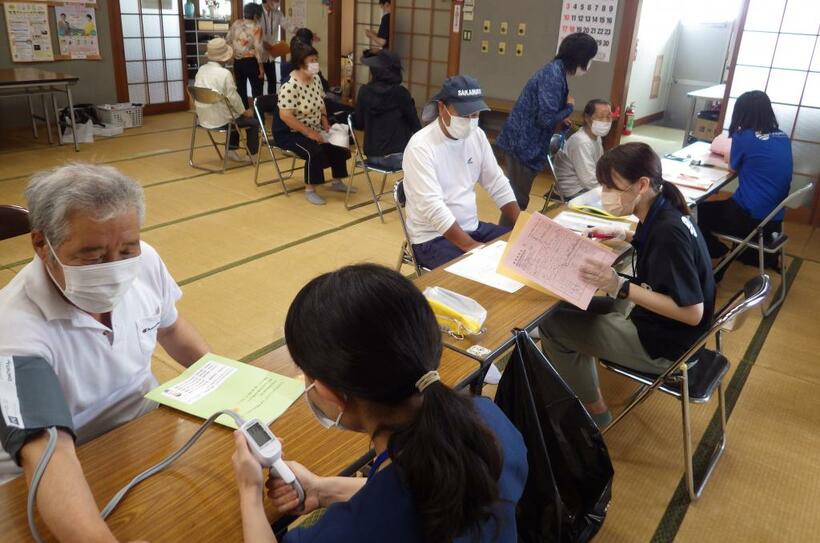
(88, 311)
(442, 164)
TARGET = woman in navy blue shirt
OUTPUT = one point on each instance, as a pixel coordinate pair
(450, 467)
(761, 154)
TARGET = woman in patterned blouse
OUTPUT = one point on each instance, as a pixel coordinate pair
(245, 36)
(302, 109)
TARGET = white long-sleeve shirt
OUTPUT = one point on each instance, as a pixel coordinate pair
(216, 77)
(440, 175)
(575, 163)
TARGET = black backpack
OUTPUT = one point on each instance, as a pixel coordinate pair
(569, 484)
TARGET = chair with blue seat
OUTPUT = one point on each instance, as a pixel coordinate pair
(695, 377)
(362, 165)
(553, 195)
(776, 244)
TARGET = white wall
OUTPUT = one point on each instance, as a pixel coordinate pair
(658, 32)
(317, 22)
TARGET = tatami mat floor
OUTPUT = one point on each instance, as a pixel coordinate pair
(241, 252)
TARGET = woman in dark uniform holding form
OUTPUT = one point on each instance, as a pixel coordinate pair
(673, 290)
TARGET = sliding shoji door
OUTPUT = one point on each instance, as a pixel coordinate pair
(150, 67)
(780, 54)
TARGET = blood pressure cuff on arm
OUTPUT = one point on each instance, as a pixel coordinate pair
(31, 400)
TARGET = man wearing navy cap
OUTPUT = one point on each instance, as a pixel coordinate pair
(442, 164)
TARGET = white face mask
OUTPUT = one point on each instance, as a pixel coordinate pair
(97, 288)
(461, 127)
(601, 128)
(323, 419)
(313, 68)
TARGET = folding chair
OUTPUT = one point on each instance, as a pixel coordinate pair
(556, 144)
(13, 221)
(360, 162)
(208, 96)
(776, 244)
(406, 255)
(695, 376)
(268, 104)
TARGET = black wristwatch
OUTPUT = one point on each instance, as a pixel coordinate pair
(623, 292)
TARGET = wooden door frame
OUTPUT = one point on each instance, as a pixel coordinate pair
(118, 57)
(334, 43)
(454, 48)
(622, 71)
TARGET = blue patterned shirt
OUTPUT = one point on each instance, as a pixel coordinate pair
(538, 110)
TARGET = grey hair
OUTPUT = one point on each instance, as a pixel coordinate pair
(101, 192)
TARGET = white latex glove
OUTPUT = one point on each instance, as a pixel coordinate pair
(600, 276)
(614, 231)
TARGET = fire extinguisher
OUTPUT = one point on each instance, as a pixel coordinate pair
(629, 121)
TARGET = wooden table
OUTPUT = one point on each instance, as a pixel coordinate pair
(29, 82)
(196, 499)
(505, 311)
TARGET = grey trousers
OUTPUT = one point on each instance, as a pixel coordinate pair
(572, 339)
(521, 178)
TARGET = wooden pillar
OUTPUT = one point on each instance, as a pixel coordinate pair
(334, 44)
(628, 32)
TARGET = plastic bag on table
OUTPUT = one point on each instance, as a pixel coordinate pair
(570, 477)
(456, 314)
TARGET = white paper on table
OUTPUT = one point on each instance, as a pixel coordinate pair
(204, 381)
(550, 256)
(480, 266)
(592, 198)
(580, 223)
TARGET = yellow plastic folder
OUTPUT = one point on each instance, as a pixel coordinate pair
(214, 383)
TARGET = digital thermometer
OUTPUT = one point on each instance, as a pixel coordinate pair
(268, 451)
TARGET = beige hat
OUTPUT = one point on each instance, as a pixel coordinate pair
(219, 50)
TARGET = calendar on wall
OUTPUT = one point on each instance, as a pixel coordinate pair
(594, 17)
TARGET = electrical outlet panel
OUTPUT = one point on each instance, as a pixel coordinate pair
(485, 46)
(502, 47)
(503, 28)
(519, 49)
(468, 35)
(522, 29)
(487, 26)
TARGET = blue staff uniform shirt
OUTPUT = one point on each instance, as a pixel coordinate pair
(763, 163)
(538, 110)
(383, 510)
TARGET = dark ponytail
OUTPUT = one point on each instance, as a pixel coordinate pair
(635, 160)
(368, 332)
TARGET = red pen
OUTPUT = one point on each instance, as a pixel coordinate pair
(597, 235)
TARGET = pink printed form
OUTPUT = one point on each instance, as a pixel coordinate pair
(550, 256)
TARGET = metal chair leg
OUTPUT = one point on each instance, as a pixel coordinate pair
(227, 148)
(782, 297)
(695, 488)
(193, 141)
(401, 256)
(33, 120)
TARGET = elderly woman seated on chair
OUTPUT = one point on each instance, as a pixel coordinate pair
(302, 109)
(673, 292)
(575, 162)
(216, 77)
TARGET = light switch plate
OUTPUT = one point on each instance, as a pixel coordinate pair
(519, 49)
(504, 28)
(487, 26)
(485, 46)
(522, 29)
(502, 47)
(468, 35)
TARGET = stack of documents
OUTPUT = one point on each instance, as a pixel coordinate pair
(480, 266)
(214, 383)
(544, 255)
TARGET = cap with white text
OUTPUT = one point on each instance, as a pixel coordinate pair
(464, 93)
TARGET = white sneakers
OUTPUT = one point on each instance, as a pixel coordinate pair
(234, 156)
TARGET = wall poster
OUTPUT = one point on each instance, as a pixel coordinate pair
(77, 31)
(28, 31)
